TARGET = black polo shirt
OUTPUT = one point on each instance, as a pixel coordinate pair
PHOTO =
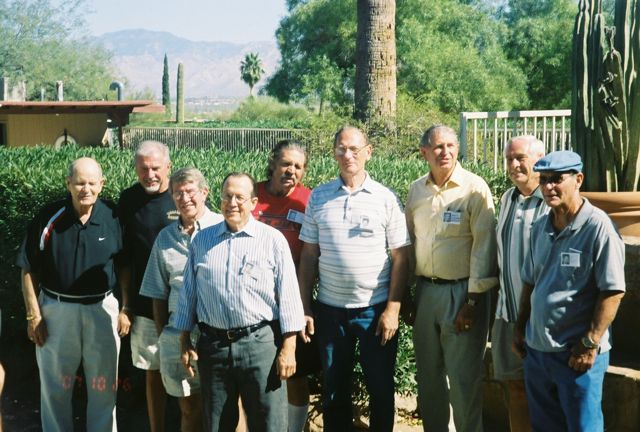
(69, 257)
(142, 216)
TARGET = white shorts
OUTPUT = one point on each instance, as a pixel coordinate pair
(174, 376)
(144, 344)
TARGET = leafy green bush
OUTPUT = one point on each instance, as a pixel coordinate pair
(32, 177)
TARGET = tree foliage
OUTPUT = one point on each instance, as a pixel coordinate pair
(449, 55)
(251, 70)
(42, 42)
(166, 92)
(540, 42)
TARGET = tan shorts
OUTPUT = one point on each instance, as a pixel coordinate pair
(144, 344)
(506, 365)
(174, 376)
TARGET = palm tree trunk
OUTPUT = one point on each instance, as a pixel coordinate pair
(375, 86)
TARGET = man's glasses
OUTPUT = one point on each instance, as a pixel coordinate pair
(239, 199)
(554, 179)
(341, 151)
(188, 194)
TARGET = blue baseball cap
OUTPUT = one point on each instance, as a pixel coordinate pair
(559, 161)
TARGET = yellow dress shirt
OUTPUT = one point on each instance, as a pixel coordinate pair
(452, 229)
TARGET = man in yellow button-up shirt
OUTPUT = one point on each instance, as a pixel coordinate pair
(450, 216)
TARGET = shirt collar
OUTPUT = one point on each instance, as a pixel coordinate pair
(536, 193)
(96, 211)
(249, 229)
(456, 177)
(581, 218)
(366, 186)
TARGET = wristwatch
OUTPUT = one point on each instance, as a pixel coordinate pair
(471, 302)
(588, 343)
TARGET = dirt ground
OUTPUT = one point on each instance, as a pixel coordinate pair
(21, 403)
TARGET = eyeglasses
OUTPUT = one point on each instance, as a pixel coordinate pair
(188, 194)
(554, 179)
(239, 199)
(341, 151)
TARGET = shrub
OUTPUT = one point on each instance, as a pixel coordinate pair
(32, 177)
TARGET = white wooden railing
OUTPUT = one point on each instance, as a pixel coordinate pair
(483, 135)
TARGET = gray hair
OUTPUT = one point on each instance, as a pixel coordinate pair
(281, 147)
(348, 128)
(429, 133)
(149, 147)
(188, 175)
(535, 147)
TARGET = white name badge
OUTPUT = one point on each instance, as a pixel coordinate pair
(570, 259)
(452, 217)
(295, 216)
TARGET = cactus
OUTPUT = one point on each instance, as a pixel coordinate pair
(606, 96)
(180, 95)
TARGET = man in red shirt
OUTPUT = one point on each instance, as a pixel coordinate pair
(282, 200)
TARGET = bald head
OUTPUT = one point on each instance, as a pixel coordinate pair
(84, 183)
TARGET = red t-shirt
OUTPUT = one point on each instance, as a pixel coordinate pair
(286, 214)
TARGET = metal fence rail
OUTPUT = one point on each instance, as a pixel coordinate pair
(483, 135)
(205, 138)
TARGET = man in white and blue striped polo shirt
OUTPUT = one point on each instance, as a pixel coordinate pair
(355, 239)
(520, 206)
(240, 287)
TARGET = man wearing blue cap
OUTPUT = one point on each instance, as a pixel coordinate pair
(573, 281)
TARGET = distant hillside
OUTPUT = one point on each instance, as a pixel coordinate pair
(212, 69)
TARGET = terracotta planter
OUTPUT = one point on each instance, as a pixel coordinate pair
(622, 207)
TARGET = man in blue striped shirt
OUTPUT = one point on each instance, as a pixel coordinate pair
(520, 207)
(355, 239)
(240, 287)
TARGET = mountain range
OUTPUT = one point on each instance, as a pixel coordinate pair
(212, 69)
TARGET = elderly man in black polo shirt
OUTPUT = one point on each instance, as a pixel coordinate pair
(68, 275)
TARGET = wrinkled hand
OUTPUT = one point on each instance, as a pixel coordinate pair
(387, 326)
(309, 328)
(286, 363)
(124, 323)
(37, 331)
(187, 358)
(465, 318)
(518, 345)
(582, 358)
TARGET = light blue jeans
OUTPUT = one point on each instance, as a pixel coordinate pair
(560, 398)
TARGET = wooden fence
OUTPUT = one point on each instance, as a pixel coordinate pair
(483, 135)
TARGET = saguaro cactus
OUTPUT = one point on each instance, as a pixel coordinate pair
(180, 95)
(606, 95)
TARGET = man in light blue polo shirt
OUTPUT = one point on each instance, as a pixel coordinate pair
(573, 281)
(355, 239)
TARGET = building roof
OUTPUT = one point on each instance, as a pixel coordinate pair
(118, 108)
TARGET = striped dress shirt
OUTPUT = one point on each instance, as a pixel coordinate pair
(354, 230)
(238, 279)
(517, 215)
(163, 277)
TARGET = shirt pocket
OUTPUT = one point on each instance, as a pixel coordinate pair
(456, 224)
(576, 275)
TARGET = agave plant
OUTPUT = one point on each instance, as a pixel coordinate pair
(606, 95)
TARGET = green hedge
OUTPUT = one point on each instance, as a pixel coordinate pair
(31, 177)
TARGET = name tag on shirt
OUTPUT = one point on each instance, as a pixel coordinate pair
(570, 259)
(295, 216)
(452, 217)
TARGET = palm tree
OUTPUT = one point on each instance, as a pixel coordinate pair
(375, 86)
(251, 70)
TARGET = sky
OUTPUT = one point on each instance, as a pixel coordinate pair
(197, 20)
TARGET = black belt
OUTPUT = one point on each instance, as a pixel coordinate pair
(438, 281)
(85, 300)
(232, 335)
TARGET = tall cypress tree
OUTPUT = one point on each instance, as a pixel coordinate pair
(166, 95)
